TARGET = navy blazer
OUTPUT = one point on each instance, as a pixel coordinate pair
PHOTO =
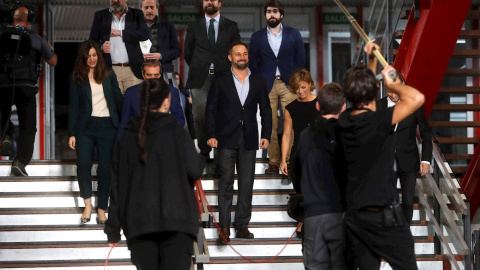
(225, 115)
(168, 45)
(405, 143)
(263, 61)
(80, 106)
(131, 107)
(136, 30)
(199, 54)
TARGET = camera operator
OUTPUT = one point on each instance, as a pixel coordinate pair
(20, 66)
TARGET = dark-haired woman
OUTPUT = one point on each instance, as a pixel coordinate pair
(154, 165)
(93, 118)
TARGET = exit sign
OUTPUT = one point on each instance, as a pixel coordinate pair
(336, 18)
(181, 18)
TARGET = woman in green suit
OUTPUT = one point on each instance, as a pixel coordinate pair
(93, 118)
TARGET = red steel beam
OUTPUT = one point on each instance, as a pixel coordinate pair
(427, 45)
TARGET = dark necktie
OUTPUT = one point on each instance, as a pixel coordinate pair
(211, 33)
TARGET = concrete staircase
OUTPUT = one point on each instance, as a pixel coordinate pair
(39, 225)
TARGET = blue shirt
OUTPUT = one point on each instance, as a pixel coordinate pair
(242, 88)
(275, 42)
(131, 106)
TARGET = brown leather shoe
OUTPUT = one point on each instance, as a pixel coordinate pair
(272, 169)
(226, 232)
(244, 233)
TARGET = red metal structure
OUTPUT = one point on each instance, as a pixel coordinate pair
(434, 31)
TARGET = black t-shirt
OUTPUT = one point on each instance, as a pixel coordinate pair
(368, 143)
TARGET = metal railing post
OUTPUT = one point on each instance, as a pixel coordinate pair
(436, 209)
(467, 232)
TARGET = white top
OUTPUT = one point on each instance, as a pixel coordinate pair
(99, 103)
(275, 42)
(118, 51)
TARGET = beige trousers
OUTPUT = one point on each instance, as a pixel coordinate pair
(282, 92)
(125, 77)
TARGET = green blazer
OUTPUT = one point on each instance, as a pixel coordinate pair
(80, 106)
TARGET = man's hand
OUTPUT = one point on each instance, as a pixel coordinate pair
(424, 168)
(370, 47)
(106, 47)
(115, 33)
(264, 143)
(72, 142)
(212, 142)
(156, 56)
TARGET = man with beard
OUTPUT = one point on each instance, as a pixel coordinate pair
(231, 125)
(276, 51)
(165, 47)
(119, 30)
(206, 54)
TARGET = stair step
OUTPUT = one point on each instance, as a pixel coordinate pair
(73, 199)
(456, 107)
(462, 72)
(451, 140)
(459, 170)
(459, 90)
(454, 123)
(469, 34)
(466, 53)
(459, 156)
(473, 14)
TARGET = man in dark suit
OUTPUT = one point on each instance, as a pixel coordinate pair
(276, 51)
(165, 47)
(131, 106)
(119, 30)
(231, 125)
(205, 51)
(406, 151)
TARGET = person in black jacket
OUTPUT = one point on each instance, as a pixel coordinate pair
(319, 164)
(154, 165)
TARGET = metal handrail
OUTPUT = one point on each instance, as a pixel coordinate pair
(453, 234)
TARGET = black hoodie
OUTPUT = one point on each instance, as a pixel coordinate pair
(157, 196)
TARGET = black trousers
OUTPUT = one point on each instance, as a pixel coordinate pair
(99, 133)
(245, 161)
(162, 251)
(371, 242)
(24, 100)
(407, 183)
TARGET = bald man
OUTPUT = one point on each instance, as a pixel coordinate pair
(20, 65)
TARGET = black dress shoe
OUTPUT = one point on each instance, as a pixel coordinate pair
(244, 233)
(226, 232)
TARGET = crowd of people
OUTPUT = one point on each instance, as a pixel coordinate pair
(344, 162)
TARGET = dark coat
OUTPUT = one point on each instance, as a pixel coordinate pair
(199, 54)
(263, 61)
(319, 167)
(80, 105)
(131, 106)
(168, 44)
(136, 30)
(157, 196)
(405, 143)
(225, 115)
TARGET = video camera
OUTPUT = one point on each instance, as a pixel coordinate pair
(8, 7)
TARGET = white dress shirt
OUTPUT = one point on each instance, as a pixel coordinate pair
(118, 51)
(275, 43)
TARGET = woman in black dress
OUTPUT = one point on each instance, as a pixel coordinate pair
(299, 113)
(154, 166)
